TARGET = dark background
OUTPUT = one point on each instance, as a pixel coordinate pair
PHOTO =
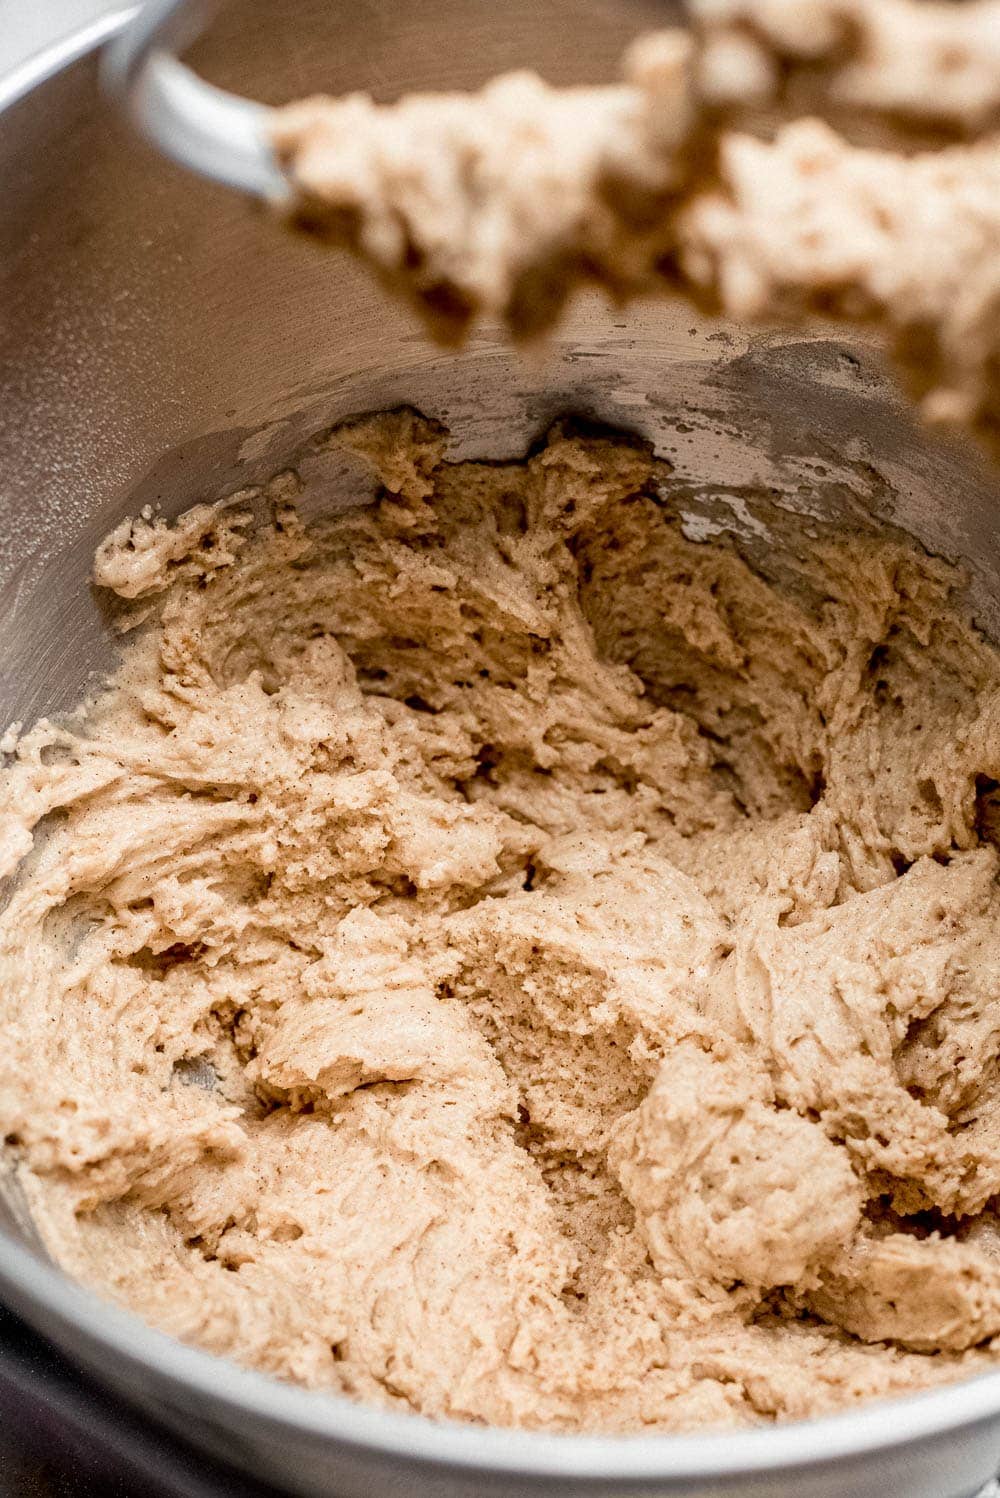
(62, 1437)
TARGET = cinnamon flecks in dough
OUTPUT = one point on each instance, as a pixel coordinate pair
(501, 203)
(490, 955)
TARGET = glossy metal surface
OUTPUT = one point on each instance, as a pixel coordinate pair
(160, 341)
(207, 129)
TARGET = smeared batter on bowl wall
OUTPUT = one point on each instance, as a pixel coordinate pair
(491, 955)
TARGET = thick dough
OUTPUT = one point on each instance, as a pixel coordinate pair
(501, 203)
(491, 955)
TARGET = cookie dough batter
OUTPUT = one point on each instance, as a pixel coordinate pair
(490, 955)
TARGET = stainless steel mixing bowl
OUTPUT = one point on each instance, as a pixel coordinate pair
(160, 341)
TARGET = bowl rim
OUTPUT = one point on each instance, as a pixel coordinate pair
(80, 1321)
(44, 63)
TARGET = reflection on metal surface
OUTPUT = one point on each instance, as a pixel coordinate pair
(161, 343)
(207, 129)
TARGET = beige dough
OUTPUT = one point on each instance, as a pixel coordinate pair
(501, 203)
(490, 955)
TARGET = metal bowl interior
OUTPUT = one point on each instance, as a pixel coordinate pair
(163, 342)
